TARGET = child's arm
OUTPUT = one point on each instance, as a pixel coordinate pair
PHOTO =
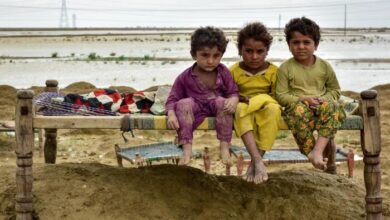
(172, 120)
(332, 86)
(177, 92)
(283, 94)
(231, 93)
(230, 105)
(273, 86)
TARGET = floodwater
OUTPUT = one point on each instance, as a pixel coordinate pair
(361, 60)
(141, 75)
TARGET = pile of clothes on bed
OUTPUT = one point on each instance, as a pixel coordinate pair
(103, 102)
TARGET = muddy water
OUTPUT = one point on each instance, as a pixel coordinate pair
(141, 75)
(19, 66)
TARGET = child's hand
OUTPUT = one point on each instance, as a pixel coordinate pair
(244, 99)
(320, 100)
(172, 120)
(230, 105)
(312, 102)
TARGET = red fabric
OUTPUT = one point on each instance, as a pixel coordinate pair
(130, 103)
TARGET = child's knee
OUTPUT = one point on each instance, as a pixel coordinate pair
(299, 110)
(273, 109)
(220, 102)
(184, 105)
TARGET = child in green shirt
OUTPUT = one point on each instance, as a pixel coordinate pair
(308, 89)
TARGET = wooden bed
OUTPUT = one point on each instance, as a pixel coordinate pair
(26, 121)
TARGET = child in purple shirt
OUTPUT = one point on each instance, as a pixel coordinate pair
(204, 89)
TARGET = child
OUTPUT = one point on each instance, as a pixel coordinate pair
(307, 86)
(204, 89)
(258, 114)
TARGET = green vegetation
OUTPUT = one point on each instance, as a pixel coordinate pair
(147, 57)
(92, 56)
(54, 55)
(121, 58)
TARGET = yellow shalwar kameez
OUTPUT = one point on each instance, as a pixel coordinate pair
(263, 113)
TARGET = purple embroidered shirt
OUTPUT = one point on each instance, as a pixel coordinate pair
(189, 85)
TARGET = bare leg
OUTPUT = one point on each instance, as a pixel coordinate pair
(250, 172)
(225, 154)
(257, 172)
(316, 157)
(187, 153)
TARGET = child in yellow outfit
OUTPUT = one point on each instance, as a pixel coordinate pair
(258, 114)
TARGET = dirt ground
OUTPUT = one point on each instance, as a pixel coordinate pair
(86, 182)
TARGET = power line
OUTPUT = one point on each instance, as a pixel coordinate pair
(191, 9)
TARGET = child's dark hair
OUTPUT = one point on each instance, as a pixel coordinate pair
(304, 26)
(208, 37)
(256, 31)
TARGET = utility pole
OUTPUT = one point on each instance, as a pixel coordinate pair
(280, 20)
(345, 19)
(64, 15)
(74, 20)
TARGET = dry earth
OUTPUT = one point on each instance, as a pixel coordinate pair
(87, 184)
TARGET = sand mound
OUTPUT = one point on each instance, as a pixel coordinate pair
(351, 94)
(96, 191)
(124, 89)
(79, 88)
(37, 89)
(8, 101)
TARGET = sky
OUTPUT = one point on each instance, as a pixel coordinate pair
(191, 13)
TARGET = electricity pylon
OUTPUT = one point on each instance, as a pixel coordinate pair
(64, 15)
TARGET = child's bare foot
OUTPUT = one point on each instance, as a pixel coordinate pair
(184, 160)
(225, 153)
(250, 172)
(260, 174)
(186, 157)
(318, 160)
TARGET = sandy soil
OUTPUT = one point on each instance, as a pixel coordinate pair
(87, 184)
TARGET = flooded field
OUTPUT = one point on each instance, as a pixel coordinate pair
(143, 59)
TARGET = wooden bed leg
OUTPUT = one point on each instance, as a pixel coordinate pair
(371, 146)
(24, 151)
(40, 141)
(330, 153)
(206, 160)
(227, 169)
(50, 147)
(139, 161)
(240, 164)
(350, 162)
(118, 157)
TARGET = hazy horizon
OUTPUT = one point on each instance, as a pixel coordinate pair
(179, 14)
